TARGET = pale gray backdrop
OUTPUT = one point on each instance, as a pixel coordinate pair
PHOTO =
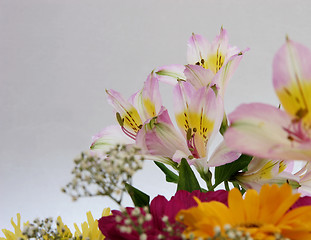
(57, 58)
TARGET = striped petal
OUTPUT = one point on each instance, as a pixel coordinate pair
(108, 137)
(263, 131)
(220, 52)
(292, 80)
(159, 137)
(263, 171)
(148, 100)
(132, 120)
(197, 50)
(225, 73)
(171, 73)
(198, 115)
(198, 76)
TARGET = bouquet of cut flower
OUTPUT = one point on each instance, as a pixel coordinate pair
(262, 162)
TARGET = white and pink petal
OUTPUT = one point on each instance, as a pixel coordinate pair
(160, 138)
(224, 75)
(197, 50)
(171, 73)
(109, 137)
(198, 113)
(148, 101)
(222, 155)
(131, 119)
(198, 76)
(292, 79)
(262, 130)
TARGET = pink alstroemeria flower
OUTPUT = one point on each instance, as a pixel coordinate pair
(263, 171)
(134, 116)
(303, 174)
(207, 62)
(158, 137)
(131, 114)
(269, 132)
(198, 114)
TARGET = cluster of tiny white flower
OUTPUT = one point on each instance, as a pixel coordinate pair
(134, 221)
(45, 229)
(97, 174)
(138, 221)
(170, 228)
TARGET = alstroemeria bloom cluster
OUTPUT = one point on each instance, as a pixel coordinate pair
(198, 102)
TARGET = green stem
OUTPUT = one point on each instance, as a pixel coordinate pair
(227, 186)
(236, 185)
(207, 177)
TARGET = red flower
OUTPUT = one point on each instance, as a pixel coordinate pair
(303, 201)
(158, 221)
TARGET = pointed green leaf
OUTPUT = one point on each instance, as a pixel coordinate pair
(139, 198)
(187, 180)
(226, 172)
(170, 176)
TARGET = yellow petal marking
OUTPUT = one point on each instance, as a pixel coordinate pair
(200, 125)
(149, 107)
(214, 62)
(295, 99)
(132, 119)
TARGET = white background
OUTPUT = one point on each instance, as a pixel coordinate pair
(58, 57)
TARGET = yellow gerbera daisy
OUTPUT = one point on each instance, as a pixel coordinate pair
(266, 215)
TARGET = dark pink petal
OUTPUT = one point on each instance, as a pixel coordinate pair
(157, 210)
(109, 227)
(303, 201)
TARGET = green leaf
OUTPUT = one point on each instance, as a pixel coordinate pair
(169, 175)
(228, 171)
(187, 180)
(139, 198)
